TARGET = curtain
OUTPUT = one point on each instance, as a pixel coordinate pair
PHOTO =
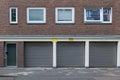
(36, 15)
(64, 15)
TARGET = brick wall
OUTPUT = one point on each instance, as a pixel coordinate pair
(50, 28)
(20, 54)
(1, 54)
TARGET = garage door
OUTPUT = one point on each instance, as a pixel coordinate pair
(103, 54)
(38, 54)
(70, 54)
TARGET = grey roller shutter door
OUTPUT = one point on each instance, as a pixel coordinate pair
(103, 54)
(38, 54)
(70, 54)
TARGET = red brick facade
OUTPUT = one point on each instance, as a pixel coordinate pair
(50, 27)
(20, 54)
(2, 54)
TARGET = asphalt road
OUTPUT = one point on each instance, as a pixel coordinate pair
(59, 74)
(58, 78)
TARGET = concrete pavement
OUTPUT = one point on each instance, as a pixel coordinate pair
(59, 74)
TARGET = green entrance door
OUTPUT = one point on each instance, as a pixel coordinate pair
(11, 54)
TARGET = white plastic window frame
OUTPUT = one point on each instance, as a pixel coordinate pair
(10, 15)
(65, 22)
(110, 17)
(38, 22)
(101, 17)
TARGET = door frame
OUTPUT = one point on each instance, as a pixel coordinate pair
(6, 43)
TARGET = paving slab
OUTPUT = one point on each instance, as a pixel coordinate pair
(55, 78)
(60, 73)
(7, 78)
(107, 78)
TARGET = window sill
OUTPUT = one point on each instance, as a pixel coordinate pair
(64, 23)
(13, 23)
(96, 23)
(36, 23)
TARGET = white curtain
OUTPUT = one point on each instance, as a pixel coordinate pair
(64, 15)
(36, 15)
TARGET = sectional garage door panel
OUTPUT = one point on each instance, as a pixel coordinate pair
(38, 54)
(103, 54)
(70, 54)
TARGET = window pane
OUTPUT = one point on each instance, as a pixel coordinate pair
(13, 14)
(106, 14)
(36, 15)
(93, 14)
(64, 15)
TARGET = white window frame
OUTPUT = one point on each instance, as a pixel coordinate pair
(73, 15)
(101, 17)
(13, 22)
(110, 17)
(44, 16)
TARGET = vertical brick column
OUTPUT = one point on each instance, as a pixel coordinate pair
(20, 54)
(1, 54)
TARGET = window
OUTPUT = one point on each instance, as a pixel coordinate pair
(13, 15)
(65, 15)
(36, 15)
(99, 15)
(107, 14)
